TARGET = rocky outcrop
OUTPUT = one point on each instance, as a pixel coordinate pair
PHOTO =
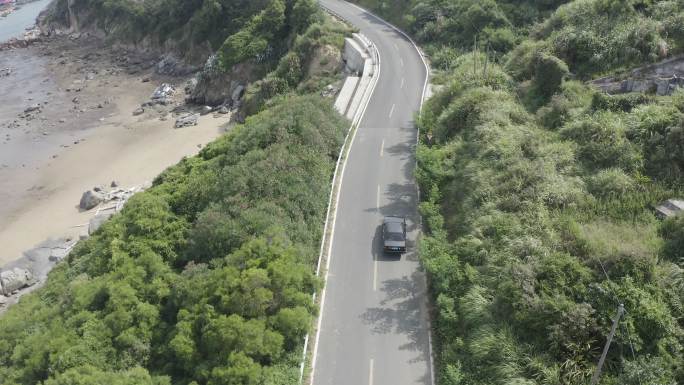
(660, 78)
(16, 279)
(187, 120)
(90, 199)
(27, 39)
(216, 87)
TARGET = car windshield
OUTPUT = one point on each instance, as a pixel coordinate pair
(397, 237)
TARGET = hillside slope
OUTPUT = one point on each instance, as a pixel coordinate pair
(206, 278)
(538, 190)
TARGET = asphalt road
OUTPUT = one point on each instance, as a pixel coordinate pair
(374, 326)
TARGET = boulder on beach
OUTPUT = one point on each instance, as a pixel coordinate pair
(90, 199)
(187, 120)
(139, 111)
(15, 279)
(163, 91)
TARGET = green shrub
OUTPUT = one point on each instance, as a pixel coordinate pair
(549, 72)
(610, 183)
(520, 62)
(672, 230)
(254, 41)
(555, 113)
(674, 29)
(620, 102)
(594, 36)
(647, 371)
(659, 129)
(603, 143)
(567, 105)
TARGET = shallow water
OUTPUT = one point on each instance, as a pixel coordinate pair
(16, 23)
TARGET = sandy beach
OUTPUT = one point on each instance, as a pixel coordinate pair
(67, 125)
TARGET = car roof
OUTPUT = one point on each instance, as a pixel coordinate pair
(392, 219)
(394, 227)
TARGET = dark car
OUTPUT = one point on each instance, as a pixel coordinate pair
(394, 235)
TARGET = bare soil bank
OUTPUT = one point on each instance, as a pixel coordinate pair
(66, 125)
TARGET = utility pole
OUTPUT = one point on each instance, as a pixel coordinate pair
(597, 373)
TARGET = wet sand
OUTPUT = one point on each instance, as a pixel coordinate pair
(83, 135)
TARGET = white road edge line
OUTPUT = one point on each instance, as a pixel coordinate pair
(370, 372)
(420, 53)
(422, 101)
(357, 120)
(392, 110)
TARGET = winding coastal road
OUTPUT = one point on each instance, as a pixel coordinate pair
(374, 326)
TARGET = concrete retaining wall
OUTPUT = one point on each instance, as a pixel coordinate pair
(355, 55)
(359, 57)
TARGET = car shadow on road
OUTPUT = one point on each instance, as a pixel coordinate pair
(401, 200)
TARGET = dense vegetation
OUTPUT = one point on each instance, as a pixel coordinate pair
(590, 36)
(538, 190)
(258, 30)
(206, 278)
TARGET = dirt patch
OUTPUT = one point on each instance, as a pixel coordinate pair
(325, 60)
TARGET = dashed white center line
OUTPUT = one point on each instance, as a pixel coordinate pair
(370, 373)
(401, 61)
(392, 110)
(382, 148)
(402, 83)
(396, 46)
(377, 199)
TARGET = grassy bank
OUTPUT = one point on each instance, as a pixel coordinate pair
(538, 191)
(537, 232)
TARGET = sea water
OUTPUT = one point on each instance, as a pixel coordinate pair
(16, 23)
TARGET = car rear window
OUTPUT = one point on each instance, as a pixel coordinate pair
(395, 237)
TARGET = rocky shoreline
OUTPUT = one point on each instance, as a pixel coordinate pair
(97, 88)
